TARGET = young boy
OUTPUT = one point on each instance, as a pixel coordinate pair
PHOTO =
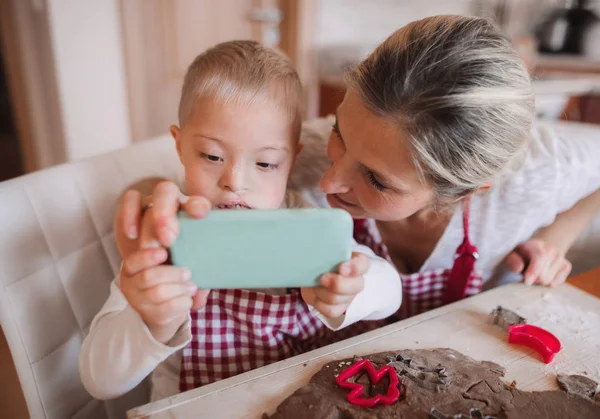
(239, 116)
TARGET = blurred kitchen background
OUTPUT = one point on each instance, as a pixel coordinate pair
(83, 77)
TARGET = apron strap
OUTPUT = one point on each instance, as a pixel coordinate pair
(464, 263)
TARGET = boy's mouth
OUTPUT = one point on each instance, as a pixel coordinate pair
(237, 205)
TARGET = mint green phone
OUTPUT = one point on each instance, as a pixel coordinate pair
(284, 248)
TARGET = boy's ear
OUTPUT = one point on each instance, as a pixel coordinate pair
(176, 134)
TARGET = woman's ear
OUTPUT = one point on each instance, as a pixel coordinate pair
(176, 134)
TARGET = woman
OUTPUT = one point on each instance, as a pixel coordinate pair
(433, 154)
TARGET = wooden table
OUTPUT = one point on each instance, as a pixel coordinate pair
(570, 313)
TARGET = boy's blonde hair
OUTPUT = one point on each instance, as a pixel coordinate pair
(243, 72)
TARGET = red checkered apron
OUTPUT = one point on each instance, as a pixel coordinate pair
(240, 330)
(423, 291)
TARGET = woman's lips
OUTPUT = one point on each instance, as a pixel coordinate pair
(343, 202)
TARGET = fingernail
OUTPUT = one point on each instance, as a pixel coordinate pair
(132, 233)
(159, 256)
(325, 280)
(345, 270)
(186, 274)
(183, 199)
(197, 207)
(168, 235)
(192, 288)
(153, 245)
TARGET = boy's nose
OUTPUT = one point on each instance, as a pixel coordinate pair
(233, 179)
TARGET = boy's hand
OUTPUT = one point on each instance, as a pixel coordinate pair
(540, 263)
(161, 294)
(166, 200)
(338, 290)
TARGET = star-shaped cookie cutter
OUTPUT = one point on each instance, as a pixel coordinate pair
(355, 396)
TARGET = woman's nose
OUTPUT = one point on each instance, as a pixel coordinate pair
(336, 178)
(233, 178)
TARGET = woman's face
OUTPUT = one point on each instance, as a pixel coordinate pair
(372, 175)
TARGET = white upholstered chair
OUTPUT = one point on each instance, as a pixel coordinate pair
(57, 258)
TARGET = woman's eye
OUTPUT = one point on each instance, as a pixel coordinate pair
(211, 157)
(375, 182)
(336, 129)
(269, 166)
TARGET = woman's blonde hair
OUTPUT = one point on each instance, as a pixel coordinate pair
(457, 89)
(243, 72)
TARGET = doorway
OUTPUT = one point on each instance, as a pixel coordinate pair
(11, 162)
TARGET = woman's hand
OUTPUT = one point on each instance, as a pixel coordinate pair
(540, 263)
(166, 200)
(338, 290)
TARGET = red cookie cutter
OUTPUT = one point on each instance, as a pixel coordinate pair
(536, 338)
(355, 396)
(521, 333)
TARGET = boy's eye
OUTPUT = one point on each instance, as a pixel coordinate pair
(211, 157)
(264, 165)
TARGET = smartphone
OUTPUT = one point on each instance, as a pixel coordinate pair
(282, 248)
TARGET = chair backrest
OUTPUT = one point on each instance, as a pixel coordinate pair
(57, 258)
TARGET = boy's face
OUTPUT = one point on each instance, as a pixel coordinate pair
(237, 156)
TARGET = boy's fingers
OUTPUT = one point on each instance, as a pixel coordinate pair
(328, 310)
(148, 235)
(343, 285)
(164, 274)
(199, 299)
(357, 266)
(167, 311)
(196, 206)
(326, 296)
(144, 259)
(165, 204)
(129, 213)
(308, 295)
(164, 292)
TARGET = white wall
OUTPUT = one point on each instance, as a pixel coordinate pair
(369, 22)
(88, 57)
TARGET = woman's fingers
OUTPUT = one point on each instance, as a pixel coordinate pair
(562, 274)
(515, 262)
(552, 266)
(533, 252)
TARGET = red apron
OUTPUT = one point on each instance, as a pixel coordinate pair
(423, 291)
(240, 330)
